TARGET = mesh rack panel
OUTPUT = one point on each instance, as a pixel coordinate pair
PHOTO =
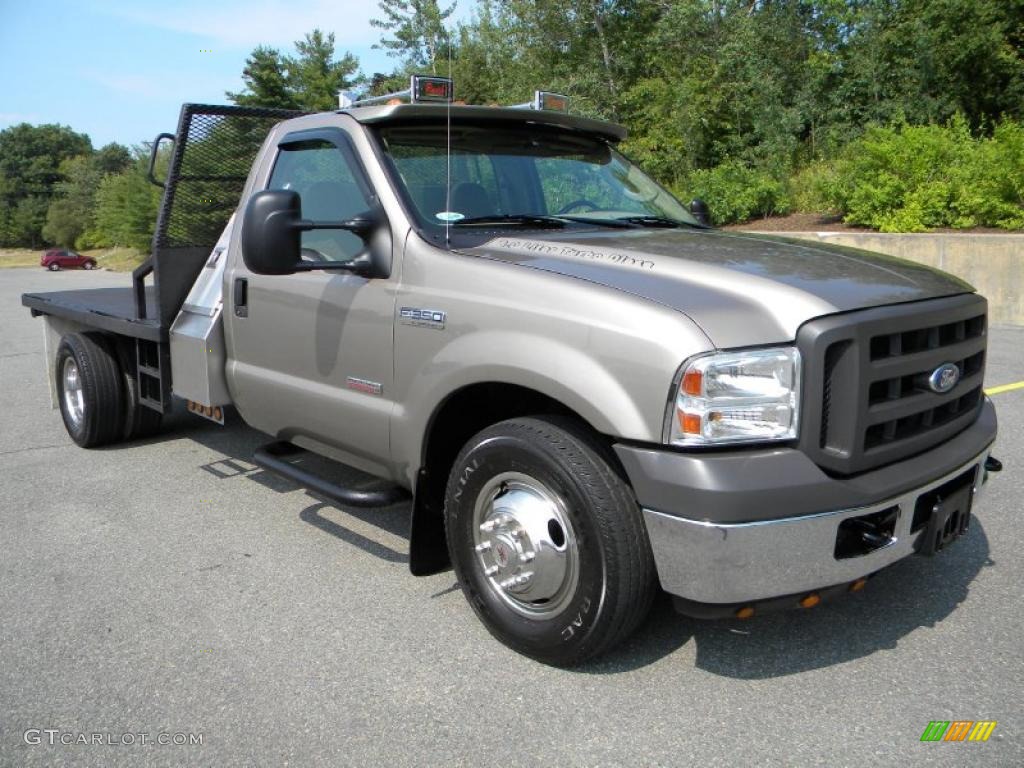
(213, 150)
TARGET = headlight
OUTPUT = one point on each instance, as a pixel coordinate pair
(737, 397)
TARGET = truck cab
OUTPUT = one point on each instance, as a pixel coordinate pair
(588, 392)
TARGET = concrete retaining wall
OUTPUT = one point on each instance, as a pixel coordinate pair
(994, 264)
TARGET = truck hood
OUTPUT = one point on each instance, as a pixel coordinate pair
(741, 289)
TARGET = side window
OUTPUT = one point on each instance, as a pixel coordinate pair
(323, 177)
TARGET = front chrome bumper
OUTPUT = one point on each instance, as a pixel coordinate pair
(708, 562)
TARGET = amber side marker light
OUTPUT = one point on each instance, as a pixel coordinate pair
(690, 422)
(858, 585)
(810, 601)
(692, 382)
(745, 612)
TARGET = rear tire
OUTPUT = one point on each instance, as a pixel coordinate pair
(90, 389)
(139, 421)
(547, 541)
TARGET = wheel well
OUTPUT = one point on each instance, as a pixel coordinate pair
(466, 412)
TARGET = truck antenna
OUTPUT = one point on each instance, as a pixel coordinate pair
(448, 149)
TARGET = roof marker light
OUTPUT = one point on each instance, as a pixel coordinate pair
(422, 89)
(547, 100)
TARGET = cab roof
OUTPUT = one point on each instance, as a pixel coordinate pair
(413, 113)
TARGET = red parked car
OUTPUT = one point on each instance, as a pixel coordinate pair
(58, 258)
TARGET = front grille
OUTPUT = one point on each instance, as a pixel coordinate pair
(867, 400)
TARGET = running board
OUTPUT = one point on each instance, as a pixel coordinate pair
(276, 457)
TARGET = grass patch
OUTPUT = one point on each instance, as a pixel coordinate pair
(117, 259)
(19, 257)
(114, 259)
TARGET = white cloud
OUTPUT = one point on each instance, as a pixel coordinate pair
(173, 87)
(135, 85)
(243, 24)
(12, 118)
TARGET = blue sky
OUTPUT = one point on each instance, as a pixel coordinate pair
(119, 70)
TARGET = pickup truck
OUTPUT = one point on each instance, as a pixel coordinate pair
(587, 391)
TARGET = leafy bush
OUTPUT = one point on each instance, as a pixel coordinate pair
(735, 192)
(914, 178)
(808, 188)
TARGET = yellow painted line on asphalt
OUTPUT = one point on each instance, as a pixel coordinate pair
(1004, 388)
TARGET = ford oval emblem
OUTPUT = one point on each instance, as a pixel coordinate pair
(944, 378)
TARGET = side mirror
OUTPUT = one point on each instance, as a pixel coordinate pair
(272, 228)
(700, 212)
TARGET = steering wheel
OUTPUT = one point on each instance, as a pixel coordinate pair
(578, 204)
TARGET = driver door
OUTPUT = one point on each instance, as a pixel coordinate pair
(312, 351)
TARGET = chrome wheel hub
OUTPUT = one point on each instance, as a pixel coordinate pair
(525, 545)
(74, 398)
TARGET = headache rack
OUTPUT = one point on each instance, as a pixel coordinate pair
(211, 154)
(207, 167)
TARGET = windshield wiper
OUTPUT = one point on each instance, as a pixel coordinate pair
(613, 223)
(656, 221)
(527, 219)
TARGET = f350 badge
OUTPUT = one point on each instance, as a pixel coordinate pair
(425, 318)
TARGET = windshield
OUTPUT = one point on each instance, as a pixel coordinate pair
(520, 174)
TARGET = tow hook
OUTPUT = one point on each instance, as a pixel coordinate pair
(992, 464)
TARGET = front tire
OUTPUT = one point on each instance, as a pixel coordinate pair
(89, 265)
(547, 540)
(90, 389)
(54, 267)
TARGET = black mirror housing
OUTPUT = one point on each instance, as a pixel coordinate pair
(700, 211)
(272, 228)
(272, 232)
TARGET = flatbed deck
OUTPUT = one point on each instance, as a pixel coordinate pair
(108, 309)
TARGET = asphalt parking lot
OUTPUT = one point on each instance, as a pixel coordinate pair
(171, 587)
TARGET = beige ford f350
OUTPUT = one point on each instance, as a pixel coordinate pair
(588, 392)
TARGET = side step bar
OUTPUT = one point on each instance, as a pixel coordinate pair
(274, 457)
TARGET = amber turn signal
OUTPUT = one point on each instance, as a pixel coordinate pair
(858, 585)
(810, 601)
(690, 422)
(745, 612)
(692, 381)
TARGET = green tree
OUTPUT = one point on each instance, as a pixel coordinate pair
(30, 163)
(266, 82)
(126, 207)
(310, 80)
(418, 34)
(70, 218)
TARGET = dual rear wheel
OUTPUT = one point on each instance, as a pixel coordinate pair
(97, 392)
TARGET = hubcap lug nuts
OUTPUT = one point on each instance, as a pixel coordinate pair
(483, 546)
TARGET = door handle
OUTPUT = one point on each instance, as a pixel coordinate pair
(241, 297)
